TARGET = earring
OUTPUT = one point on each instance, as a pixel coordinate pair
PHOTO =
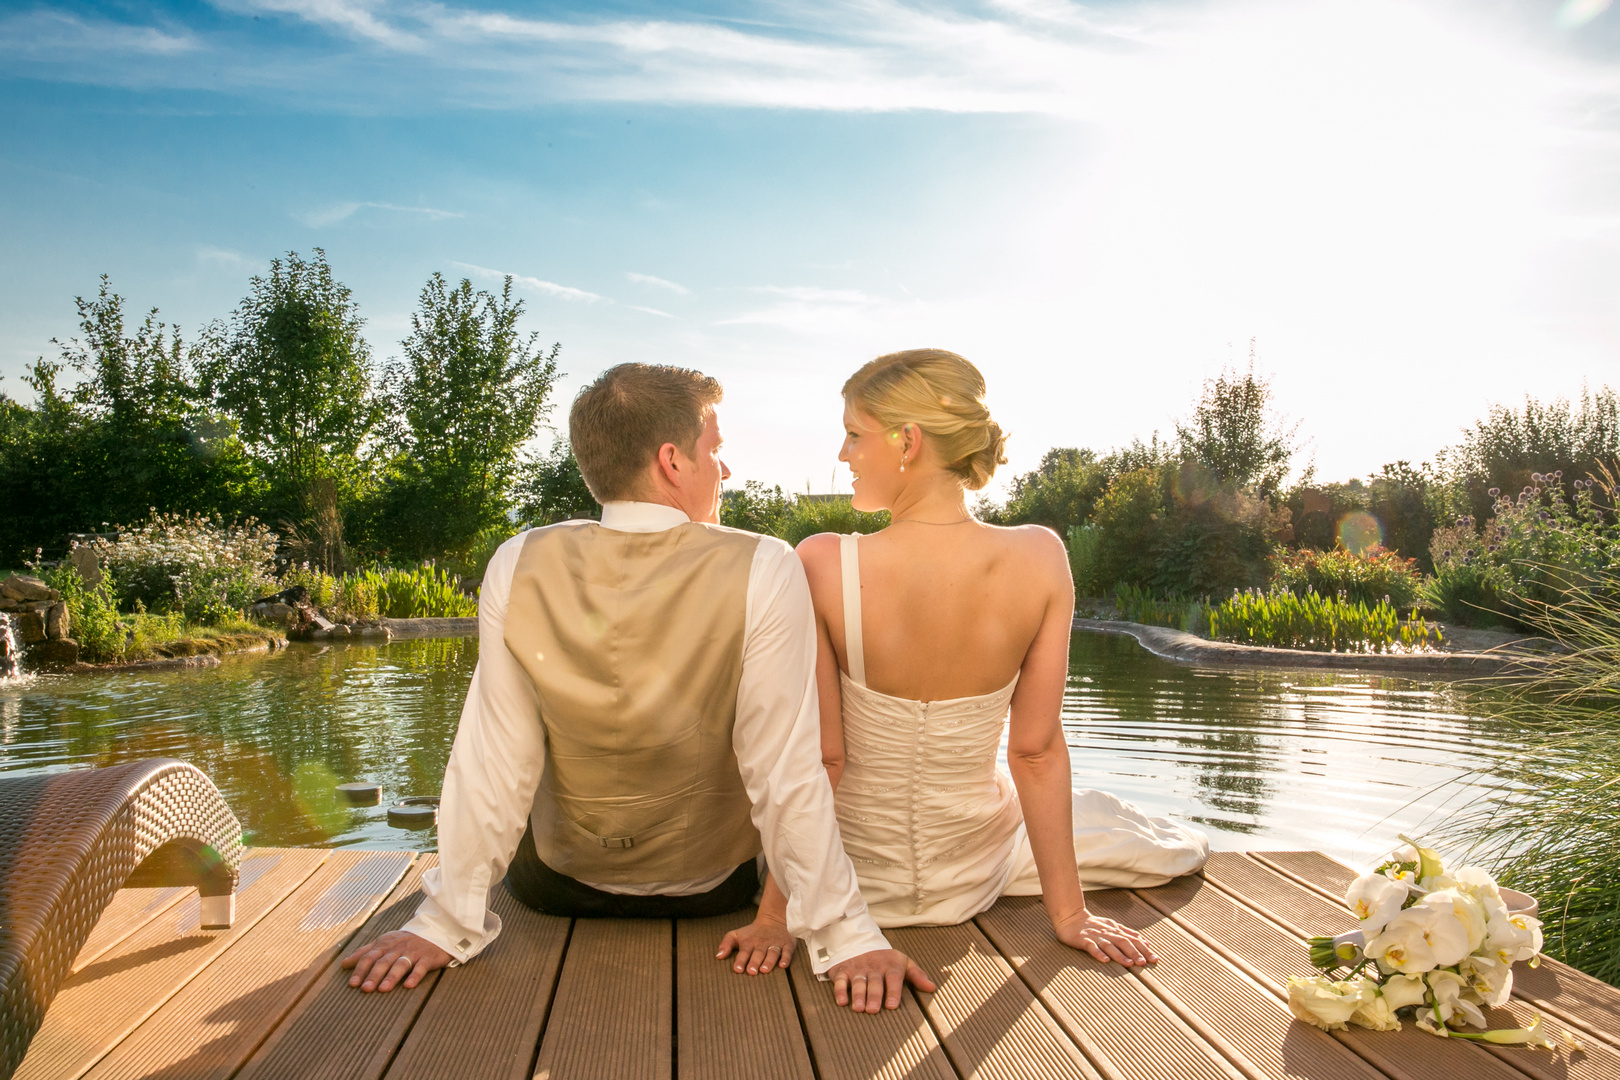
(902, 464)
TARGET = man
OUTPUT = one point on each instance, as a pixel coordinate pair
(643, 720)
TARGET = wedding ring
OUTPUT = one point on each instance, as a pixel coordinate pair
(768, 948)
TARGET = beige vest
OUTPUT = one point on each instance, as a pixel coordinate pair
(634, 643)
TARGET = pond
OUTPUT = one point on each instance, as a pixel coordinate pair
(1335, 762)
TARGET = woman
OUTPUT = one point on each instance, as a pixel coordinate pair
(931, 632)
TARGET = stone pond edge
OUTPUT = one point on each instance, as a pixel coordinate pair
(1186, 648)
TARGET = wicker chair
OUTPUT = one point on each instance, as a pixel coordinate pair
(69, 841)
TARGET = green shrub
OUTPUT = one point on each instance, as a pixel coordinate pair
(755, 508)
(1368, 578)
(1315, 623)
(1138, 605)
(92, 614)
(1084, 542)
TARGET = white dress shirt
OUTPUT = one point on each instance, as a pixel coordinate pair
(499, 758)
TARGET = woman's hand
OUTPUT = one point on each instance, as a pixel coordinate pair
(1105, 939)
(762, 946)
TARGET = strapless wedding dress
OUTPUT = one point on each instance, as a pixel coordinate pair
(935, 829)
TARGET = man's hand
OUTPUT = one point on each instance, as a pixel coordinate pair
(874, 979)
(394, 956)
(1105, 940)
(762, 946)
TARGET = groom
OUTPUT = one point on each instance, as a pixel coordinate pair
(643, 721)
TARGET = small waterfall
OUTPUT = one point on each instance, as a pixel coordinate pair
(10, 655)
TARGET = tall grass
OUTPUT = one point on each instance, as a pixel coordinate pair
(1138, 605)
(390, 592)
(1316, 623)
(1553, 827)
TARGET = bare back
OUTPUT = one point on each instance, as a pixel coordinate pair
(947, 611)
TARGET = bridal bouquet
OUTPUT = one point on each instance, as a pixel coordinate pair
(1433, 944)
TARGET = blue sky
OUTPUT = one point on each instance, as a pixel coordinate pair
(1413, 208)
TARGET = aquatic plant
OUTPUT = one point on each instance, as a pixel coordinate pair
(1138, 605)
(1316, 623)
(421, 592)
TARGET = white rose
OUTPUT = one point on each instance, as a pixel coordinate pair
(1375, 1011)
(1490, 979)
(1375, 899)
(1419, 939)
(1448, 987)
(1324, 1003)
(1403, 990)
(1468, 911)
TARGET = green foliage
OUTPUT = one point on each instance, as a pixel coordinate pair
(792, 518)
(422, 592)
(203, 569)
(755, 508)
(1401, 504)
(1137, 605)
(295, 374)
(466, 397)
(1367, 578)
(1129, 521)
(92, 613)
(1085, 545)
(551, 489)
(1316, 623)
(470, 562)
(1234, 434)
(1553, 827)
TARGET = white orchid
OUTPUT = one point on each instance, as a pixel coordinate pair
(1420, 939)
(1448, 988)
(1327, 1003)
(1403, 990)
(1375, 900)
(1490, 979)
(1467, 911)
(1375, 1011)
(1512, 938)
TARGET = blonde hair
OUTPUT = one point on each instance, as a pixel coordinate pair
(941, 393)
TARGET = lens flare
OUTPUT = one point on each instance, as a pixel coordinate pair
(1360, 531)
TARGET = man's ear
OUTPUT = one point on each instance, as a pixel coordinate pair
(669, 464)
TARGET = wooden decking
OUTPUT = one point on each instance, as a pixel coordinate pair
(155, 996)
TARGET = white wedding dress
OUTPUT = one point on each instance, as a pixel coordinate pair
(935, 829)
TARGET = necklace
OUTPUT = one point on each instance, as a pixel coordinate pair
(919, 521)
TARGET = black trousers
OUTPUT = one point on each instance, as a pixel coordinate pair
(536, 885)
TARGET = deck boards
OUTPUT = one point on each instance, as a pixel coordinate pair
(155, 996)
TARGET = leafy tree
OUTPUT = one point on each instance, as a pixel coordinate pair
(295, 374)
(550, 488)
(1508, 447)
(1233, 432)
(756, 508)
(468, 393)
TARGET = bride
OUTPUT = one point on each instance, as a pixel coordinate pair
(932, 633)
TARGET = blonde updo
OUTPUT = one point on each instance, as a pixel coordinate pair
(941, 393)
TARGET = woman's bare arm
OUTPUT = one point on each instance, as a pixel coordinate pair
(1038, 758)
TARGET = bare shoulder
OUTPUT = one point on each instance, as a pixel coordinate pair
(1036, 549)
(819, 553)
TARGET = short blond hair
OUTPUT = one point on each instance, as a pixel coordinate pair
(943, 395)
(618, 422)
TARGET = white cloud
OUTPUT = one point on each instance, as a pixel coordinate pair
(650, 311)
(337, 212)
(549, 288)
(656, 282)
(224, 257)
(43, 34)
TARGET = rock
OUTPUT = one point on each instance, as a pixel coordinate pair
(87, 563)
(27, 587)
(29, 628)
(273, 611)
(57, 623)
(57, 651)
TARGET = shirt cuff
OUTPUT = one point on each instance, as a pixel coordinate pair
(432, 924)
(842, 940)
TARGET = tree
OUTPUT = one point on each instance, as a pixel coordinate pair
(551, 488)
(1509, 447)
(467, 395)
(293, 371)
(1233, 433)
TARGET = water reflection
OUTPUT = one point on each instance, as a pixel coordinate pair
(1335, 762)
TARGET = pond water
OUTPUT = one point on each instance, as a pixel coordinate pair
(1259, 759)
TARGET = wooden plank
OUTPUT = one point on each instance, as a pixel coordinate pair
(485, 1017)
(1121, 1025)
(1301, 910)
(730, 1026)
(1270, 954)
(988, 1021)
(103, 1003)
(130, 910)
(894, 1044)
(212, 1026)
(1564, 992)
(1248, 1023)
(611, 1016)
(336, 1032)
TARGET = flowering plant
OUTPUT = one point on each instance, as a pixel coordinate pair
(1433, 944)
